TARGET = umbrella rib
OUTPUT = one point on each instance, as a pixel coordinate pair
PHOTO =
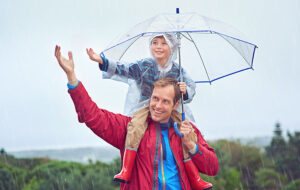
(200, 57)
(186, 37)
(169, 22)
(130, 46)
(188, 20)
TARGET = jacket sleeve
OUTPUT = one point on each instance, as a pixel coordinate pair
(205, 157)
(121, 69)
(190, 87)
(107, 125)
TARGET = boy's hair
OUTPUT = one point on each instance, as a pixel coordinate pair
(169, 38)
(166, 82)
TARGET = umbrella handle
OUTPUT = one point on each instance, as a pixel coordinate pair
(175, 125)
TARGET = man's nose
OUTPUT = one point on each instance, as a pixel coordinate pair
(159, 104)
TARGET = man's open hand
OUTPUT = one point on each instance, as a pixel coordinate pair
(66, 64)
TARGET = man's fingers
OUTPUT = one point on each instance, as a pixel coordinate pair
(56, 51)
(70, 55)
(185, 131)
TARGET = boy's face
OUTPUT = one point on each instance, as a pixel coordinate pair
(160, 48)
(162, 103)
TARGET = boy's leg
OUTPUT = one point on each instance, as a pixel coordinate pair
(191, 169)
(136, 128)
(135, 132)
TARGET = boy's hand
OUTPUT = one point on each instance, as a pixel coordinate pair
(94, 56)
(66, 64)
(182, 87)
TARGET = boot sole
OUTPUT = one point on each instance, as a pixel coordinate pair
(120, 180)
(208, 188)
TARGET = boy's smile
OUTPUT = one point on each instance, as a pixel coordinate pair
(160, 50)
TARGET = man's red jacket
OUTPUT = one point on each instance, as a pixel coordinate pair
(112, 128)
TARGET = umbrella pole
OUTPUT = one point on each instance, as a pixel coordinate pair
(180, 73)
(181, 79)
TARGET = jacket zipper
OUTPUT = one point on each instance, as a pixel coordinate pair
(155, 163)
(178, 165)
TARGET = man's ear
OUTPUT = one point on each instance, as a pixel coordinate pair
(176, 105)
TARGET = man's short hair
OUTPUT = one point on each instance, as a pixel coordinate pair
(166, 82)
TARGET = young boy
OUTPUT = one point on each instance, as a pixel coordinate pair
(140, 76)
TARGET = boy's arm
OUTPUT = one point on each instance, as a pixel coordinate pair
(190, 87)
(124, 70)
(132, 71)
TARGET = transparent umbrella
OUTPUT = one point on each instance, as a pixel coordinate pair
(209, 49)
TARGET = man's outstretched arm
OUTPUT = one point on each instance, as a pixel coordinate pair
(107, 125)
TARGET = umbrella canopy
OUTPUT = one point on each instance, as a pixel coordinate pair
(210, 49)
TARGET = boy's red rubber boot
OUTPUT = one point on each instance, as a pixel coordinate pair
(194, 177)
(128, 162)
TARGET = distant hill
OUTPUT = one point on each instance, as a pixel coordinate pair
(105, 154)
(83, 155)
(260, 142)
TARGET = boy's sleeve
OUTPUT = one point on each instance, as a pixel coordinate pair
(190, 88)
(104, 66)
(121, 69)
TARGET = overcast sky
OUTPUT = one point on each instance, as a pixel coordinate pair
(37, 112)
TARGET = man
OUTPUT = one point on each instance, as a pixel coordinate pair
(159, 161)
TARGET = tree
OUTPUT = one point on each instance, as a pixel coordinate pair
(285, 154)
(232, 178)
(7, 181)
(277, 150)
(245, 159)
(58, 175)
(2, 151)
(292, 162)
(269, 179)
(11, 177)
(294, 185)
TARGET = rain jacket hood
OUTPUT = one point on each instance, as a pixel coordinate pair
(173, 43)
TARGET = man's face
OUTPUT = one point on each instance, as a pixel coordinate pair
(162, 103)
(160, 48)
